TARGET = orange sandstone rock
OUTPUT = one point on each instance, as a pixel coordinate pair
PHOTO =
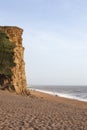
(18, 78)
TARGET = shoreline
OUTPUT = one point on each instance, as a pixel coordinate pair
(53, 98)
(59, 95)
(41, 112)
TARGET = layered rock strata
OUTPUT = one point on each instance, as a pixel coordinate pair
(18, 78)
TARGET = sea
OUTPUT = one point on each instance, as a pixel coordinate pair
(72, 92)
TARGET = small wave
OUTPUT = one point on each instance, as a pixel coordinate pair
(65, 95)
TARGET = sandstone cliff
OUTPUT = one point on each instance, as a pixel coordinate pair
(18, 78)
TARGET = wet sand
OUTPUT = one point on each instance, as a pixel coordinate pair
(41, 112)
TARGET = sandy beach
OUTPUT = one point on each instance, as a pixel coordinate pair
(41, 112)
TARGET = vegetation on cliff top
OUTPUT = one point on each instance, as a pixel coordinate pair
(6, 58)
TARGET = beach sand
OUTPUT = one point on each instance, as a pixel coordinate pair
(41, 112)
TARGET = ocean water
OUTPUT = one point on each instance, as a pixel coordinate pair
(73, 92)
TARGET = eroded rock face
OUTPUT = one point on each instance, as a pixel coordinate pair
(18, 78)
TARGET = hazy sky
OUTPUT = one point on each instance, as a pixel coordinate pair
(55, 39)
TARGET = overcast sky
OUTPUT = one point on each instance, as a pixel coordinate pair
(54, 37)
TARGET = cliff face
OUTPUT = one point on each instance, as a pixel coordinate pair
(18, 78)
